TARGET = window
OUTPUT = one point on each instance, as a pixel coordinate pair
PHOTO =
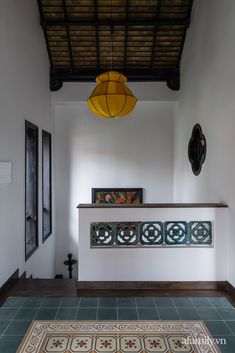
(46, 186)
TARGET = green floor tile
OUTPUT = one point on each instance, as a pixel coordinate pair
(107, 302)
(17, 327)
(220, 302)
(168, 314)
(201, 302)
(89, 302)
(33, 302)
(208, 314)
(26, 314)
(46, 314)
(163, 302)
(51, 302)
(226, 314)
(148, 314)
(188, 314)
(127, 314)
(14, 302)
(231, 325)
(107, 314)
(126, 302)
(9, 344)
(183, 302)
(70, 302)
(3, 325)
(228, 346)
(66, 314)
(218, 328)
(7, 313)
(87, 314)
(145, 302)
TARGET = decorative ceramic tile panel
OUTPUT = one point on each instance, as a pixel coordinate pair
(102, 234)
(200, 232)
(175, 233)
(127, 233)
(151, 234)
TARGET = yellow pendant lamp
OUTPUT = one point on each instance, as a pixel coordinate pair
(111, 98)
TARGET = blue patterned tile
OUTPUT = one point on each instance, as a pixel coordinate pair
(151, 233)
(176, 233)
(102, 234)
(126, 233)
(200, 233)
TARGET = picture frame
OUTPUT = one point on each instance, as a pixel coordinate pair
(117, 196)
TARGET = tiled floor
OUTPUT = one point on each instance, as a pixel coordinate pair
(17, 313)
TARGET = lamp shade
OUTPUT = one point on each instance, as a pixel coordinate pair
(111, 98)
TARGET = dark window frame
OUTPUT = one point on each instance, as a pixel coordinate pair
(29, 125)
(47, 135)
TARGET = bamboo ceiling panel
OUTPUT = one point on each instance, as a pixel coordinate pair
(143, 39)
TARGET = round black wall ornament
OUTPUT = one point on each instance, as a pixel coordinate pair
(197, 149)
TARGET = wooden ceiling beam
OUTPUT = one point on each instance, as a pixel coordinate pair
(115, 22)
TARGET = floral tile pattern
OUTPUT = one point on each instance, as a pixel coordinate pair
(117, 337)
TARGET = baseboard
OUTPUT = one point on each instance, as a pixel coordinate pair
(142, 287)
(23, 276)
(9, 283)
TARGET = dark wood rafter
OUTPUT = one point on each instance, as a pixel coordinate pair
(155, 33)
(126, 36)
(45, 31)
(184, 36)
(97, 36)
(147, 38)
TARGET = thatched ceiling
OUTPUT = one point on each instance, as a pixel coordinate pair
(143, 39)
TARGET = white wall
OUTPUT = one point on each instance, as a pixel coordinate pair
(136, 151)
(152, 264)
(207, 97)
(24, 94)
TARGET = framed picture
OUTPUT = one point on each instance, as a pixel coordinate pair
(117, 196)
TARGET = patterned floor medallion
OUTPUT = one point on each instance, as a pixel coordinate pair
(117, 337)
